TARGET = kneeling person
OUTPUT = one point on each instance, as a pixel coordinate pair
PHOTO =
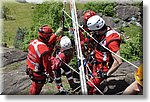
(60, 61)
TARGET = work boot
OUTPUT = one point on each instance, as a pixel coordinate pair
(61, 92)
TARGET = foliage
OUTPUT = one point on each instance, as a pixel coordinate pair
(106, 8)
(5, 12)
(19, 37)
(132, 50)
(73, 63)
(46, 13)
(30, 35)
(19, 15)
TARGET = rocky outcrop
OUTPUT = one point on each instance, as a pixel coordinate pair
(10, 55)
(15, 81)
(119, 80)
(127, 12)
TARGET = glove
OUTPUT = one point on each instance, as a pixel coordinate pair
(59, 30)
(102, 74)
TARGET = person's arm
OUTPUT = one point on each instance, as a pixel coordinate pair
(117, 62)
(115, 47)
(46, 61)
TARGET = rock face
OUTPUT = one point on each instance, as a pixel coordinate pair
(14, 82)
(127, 12)
(119, 80)
(21, 1)
(124, 15)
(10, 55)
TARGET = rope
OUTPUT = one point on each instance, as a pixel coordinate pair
(99, 43)
(79, 74)
(78, 46)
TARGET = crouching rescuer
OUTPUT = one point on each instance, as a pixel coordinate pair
(105, 62)
(38, 59)
(61, 60)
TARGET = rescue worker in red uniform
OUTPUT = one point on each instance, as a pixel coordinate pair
(84, 38)
(60, 61)
(109, 38)
(38, 59)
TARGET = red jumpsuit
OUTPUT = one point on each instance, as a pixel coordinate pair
(111, 40)
(38, 62)
(58, 62)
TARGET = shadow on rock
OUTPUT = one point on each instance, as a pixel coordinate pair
(113, 87)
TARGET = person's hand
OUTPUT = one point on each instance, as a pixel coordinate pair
(59, 31)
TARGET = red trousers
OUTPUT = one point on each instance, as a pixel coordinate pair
(96, 82)
(35, 88)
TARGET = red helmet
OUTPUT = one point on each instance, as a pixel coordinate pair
(45, 31)
(88, 14)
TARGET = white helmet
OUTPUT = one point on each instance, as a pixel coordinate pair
(65, 43)
(95, 23)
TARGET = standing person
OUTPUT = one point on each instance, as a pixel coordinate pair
(84, 39)
(60, 61)
(38, 59)
(86, 46)
(137, 86)
(108, 37)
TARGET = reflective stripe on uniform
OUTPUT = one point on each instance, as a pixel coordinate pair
(35, 64)
(68, 72)
(35, 44)
(70, 78)
(58, 78)
(105, 56)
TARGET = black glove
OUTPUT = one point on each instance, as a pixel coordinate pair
(50, 79)
(102, 74)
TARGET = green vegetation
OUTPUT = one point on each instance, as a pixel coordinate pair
(47, 13)
(27, 18)
(19, 15)
(106, 8)
(132, 50)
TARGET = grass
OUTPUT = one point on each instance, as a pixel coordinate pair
(21, 14)
(132, 30)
